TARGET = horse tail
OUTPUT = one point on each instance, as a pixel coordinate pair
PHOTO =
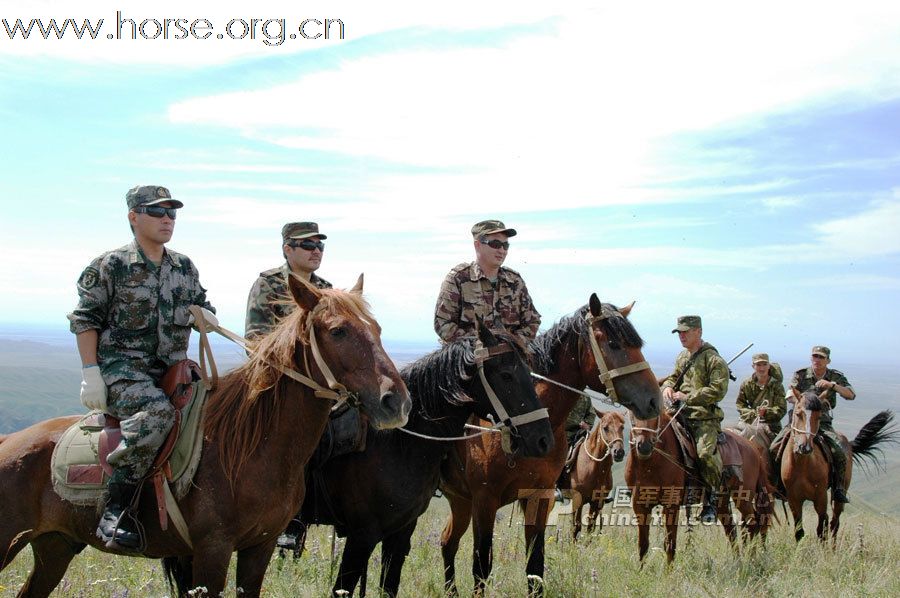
(877, 431)
(179, 574)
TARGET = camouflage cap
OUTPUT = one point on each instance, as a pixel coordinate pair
(760, 358)
(149, 195)
(300, 230)
(686, 323)
(822, 350)
(489, 227)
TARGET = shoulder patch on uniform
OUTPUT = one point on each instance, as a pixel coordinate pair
(89, 278)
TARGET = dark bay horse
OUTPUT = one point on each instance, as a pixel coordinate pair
(591, 477)
(595, 347)
(446, 388)
(805, 468)
(260, 429)
(657, 475)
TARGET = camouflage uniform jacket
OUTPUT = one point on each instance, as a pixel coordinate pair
(583, 411)
(466, 291)
(804, 379)
(270, 300)
(139, 309)
(705, 383)
(751, 396)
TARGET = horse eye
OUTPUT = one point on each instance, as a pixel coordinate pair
(614, 345)
(338, 332)
(507, 377)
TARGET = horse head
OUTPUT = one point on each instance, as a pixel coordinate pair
(506, 393)
(808, 408)
(645, 433)
(611, 432)
(344, 341)
(615, 364)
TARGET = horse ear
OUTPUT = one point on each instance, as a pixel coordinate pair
(627, 309)
(305, 295)
(596, 306)
(484, 333)
(600, 414)
(358, 287)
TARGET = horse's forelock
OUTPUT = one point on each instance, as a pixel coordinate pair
(811, 401)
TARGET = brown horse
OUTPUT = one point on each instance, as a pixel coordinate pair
(260, 429)
(805, 467)
(596, 343)
(656, 474)
(591, 475)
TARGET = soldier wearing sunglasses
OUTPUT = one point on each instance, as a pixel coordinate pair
(487, 289)
(131, 324)
(269, 300)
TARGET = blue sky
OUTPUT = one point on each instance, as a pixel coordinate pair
(742, 162)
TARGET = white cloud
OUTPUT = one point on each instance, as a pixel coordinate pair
(873, 232)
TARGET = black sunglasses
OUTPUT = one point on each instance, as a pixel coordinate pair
(156, 211)
(308, 245)
(496, 243)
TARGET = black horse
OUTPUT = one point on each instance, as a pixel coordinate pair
(447, 389)
(378, 495)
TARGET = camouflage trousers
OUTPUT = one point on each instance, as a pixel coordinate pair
(709, 462)
(146, 416)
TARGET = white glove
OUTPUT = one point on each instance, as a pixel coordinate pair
(93, 389)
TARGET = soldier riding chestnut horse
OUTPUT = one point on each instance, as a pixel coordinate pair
(260, 427)
(595, 347)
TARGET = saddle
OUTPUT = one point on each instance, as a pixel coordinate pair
(79, 465)
(726, 445)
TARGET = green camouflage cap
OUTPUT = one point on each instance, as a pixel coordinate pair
(822, 350)
(760, 358)
(149, 195)
(300, 230)
(489, 227)
(686, 323)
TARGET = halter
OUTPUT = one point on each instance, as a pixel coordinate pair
(605, 441)
(608, 375)
(655, 431)
(506, 424)
(335, 391)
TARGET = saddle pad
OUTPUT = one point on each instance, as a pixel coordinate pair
(730, 450)
(75, 467)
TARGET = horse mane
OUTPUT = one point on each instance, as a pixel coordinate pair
(436, 379)
(247, 402)
(569, 329)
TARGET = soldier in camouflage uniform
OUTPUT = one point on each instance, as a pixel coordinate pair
(487, 289)
(581, 419)
(132, 322)
(762, 396)
(699, 382)
(821, 378)
(269, 299)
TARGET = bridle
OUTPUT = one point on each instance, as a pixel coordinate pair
(606, 442)
(335, 391)
(655, 432)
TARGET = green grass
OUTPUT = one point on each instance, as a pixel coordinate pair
(863, 564)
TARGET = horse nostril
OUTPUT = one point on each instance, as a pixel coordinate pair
(619, 454)
(544, 445)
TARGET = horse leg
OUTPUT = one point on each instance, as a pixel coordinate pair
(577, 506)
(394, 550)
(483, 543)
(594, 508)
(457, 524)
(210, 567)
(252, 563)
(671, 515)
(836, 509)
(821, 506)
(52, 554)
(797, 511)
(643, 518)
(534, 543)
(354, 562)
(726, 517)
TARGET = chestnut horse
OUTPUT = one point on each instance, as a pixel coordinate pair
(591, 475)
(592, 347)
(260, 428)
(805, 468)
(657, 475)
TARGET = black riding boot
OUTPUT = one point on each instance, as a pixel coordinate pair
(117, 526)
(709, 513)
(838, 494)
